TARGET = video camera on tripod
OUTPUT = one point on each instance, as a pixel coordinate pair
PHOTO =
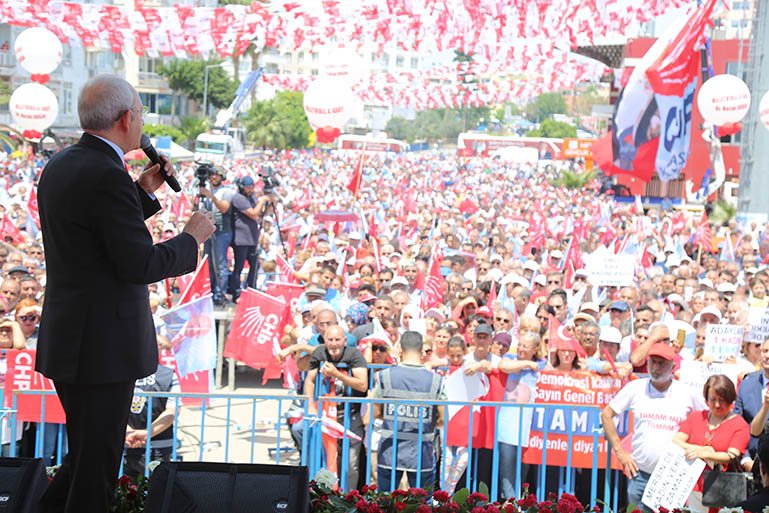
(203, 172)
(267, 174)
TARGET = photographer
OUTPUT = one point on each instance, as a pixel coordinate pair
(247, 211)
(217, 199)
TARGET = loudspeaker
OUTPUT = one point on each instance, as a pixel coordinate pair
(189, 487)
(22, 483)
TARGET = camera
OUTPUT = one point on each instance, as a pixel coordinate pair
(203, 172)
(267, 174)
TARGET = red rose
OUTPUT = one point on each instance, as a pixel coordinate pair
(663, 510)
(400, 493)
(353, 496)
(509, 508)
(424, 508)
(131, 494)
(492, 509)
(362, 505)
(441, 496)
(478, 509)
(124, 481)
(478, 497)
(418, 492)
(400, 506)
(566, 506)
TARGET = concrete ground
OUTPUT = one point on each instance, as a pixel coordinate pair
(247, 433)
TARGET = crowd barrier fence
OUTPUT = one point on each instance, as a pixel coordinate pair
(603, 485)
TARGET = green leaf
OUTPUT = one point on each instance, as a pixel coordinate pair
(484, 489)
(460, 497)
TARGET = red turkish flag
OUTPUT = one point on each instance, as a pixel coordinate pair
(562, 339)
(10, 230)
(199, 285)
(256, 329)
(287, 273)
(435, 283)
(357, 175)
(32, 206)
(181, 208)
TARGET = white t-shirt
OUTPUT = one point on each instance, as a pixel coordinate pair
(494, 359)
(656, 416)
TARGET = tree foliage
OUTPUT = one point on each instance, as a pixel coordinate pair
(191, 127)
(573, 179)
(162, 130)
(436, 124)
(278, 123)
(552, 128)
(5, 92)
(545, 105)
(188, 77)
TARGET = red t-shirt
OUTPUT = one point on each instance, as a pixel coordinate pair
(733, 432)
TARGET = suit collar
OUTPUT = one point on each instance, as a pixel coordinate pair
(89, 141)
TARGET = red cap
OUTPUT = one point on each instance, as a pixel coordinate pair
(485, 311)
(662, 350)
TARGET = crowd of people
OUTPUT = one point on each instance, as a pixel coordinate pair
(436, 264)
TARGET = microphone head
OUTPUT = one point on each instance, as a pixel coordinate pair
(145, 141)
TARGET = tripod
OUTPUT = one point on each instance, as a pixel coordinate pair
(210, 247)
(269, 206)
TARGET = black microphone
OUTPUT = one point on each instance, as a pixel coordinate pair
(152, 154)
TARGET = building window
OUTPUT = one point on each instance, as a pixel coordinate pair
(414, 62)
(66, 55)
(399, 60)
(300, 57)
(66, 98)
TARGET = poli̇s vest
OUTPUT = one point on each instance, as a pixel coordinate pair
(401, 382)
(160, 381)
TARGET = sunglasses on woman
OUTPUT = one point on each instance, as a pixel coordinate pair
(379, 349)
(28, 318)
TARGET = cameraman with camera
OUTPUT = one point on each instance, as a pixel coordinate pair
(247, 214)
(216, 199)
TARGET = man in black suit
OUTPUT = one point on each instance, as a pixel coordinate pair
(96, 334)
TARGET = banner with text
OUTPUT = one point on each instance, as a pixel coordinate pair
(612, 270)
(695, 374)
(21, 375)
(723, 341)
(758, 325)
(573, 393)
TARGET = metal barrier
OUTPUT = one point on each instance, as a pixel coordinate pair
(311, 450)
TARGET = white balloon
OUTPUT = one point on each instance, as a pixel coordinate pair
(763, 110)
(33, 107)
(723, 99)
(38, 50)
(326, 103)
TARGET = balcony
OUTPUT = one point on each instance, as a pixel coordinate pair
(152, 80)
(7, 64)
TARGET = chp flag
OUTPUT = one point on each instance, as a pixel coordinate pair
(652, 122)
(256, 329)
(199, 285)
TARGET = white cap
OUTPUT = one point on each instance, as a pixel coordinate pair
(707, 282)
(531, 265)
(673, 260)
(676, 298)
(557, 253)
(399, 280)
(494, 274)
(589, 306)
(541, 279)
(726, 287)
(712, 310)
(610, 334)
(495, 257)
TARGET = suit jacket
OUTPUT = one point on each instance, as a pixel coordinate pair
(96, 326)
(749, 398)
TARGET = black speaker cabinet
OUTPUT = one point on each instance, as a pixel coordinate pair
(189, 487)
(22, 483)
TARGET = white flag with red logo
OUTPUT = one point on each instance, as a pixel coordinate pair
(256, 329)
(199, 285)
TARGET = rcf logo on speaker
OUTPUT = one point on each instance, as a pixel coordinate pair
(5, 498)
(281, 506)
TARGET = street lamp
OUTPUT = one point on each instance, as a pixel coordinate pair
(205, 87)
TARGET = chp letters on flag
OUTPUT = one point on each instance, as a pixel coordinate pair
(256, 329)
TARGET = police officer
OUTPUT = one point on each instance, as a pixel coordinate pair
(218, 199)
(408, 380)
(161, 424)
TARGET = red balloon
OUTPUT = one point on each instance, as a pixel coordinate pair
(729, 129)
(40, 79)
(327, 134)
(32, 134)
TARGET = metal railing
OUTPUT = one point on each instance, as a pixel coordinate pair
(203, 439)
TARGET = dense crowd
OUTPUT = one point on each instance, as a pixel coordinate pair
(437, 264)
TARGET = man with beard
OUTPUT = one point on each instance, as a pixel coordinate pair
(659, 404)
